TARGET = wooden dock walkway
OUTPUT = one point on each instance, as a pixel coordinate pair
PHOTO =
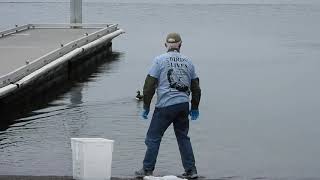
(31, 51)
(29, 45)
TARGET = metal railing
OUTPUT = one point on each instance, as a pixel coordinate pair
(15, 30)
(32, 66)
(51, 26)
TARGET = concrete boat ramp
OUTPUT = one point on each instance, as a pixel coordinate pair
(35, 54)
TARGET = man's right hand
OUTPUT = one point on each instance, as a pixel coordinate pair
(145, 113)
(194, 113)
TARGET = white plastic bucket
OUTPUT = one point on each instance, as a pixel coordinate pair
(92, 158)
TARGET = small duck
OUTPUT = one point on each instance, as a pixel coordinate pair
(139, 96)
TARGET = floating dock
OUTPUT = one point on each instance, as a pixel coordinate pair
(34, 55)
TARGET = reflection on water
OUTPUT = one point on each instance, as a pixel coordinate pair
(38, 142)
(76, 96)
(24, 113)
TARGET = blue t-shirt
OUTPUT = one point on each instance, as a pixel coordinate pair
(174, 73)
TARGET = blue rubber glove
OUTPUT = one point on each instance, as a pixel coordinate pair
(194, 113)
(145, 113)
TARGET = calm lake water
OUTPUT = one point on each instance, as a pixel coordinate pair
(259, 71)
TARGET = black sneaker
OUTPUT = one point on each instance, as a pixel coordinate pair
(192, 174)
(142, 173)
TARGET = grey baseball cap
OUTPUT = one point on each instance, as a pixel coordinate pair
(173, 38)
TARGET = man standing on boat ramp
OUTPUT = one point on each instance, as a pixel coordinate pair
(174, 78)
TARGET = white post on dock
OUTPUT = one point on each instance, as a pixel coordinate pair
(76, 11)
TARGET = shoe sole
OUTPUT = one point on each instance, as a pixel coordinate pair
(189, 177)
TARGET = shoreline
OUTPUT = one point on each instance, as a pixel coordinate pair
(16, 177)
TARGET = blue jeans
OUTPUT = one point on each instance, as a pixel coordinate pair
(161, 120)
